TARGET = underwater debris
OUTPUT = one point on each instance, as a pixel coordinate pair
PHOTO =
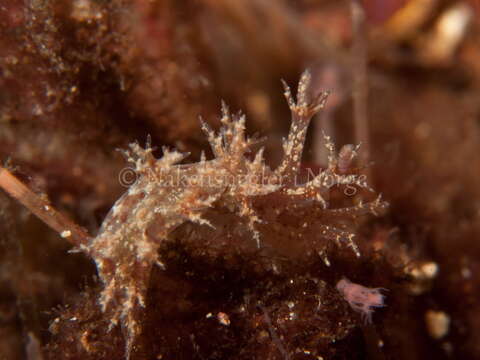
(360, 298)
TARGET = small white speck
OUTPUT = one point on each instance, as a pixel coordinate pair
(66, 234)
(466, 273)
(425, 271)
(438, 323)
(223, 319)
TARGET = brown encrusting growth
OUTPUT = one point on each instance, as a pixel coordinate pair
(168, 194)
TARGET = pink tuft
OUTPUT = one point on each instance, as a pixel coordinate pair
(360, 298)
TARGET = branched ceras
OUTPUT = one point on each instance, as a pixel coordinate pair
(168, 194)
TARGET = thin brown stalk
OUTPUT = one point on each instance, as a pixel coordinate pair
(360, 80)
(42, 209)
